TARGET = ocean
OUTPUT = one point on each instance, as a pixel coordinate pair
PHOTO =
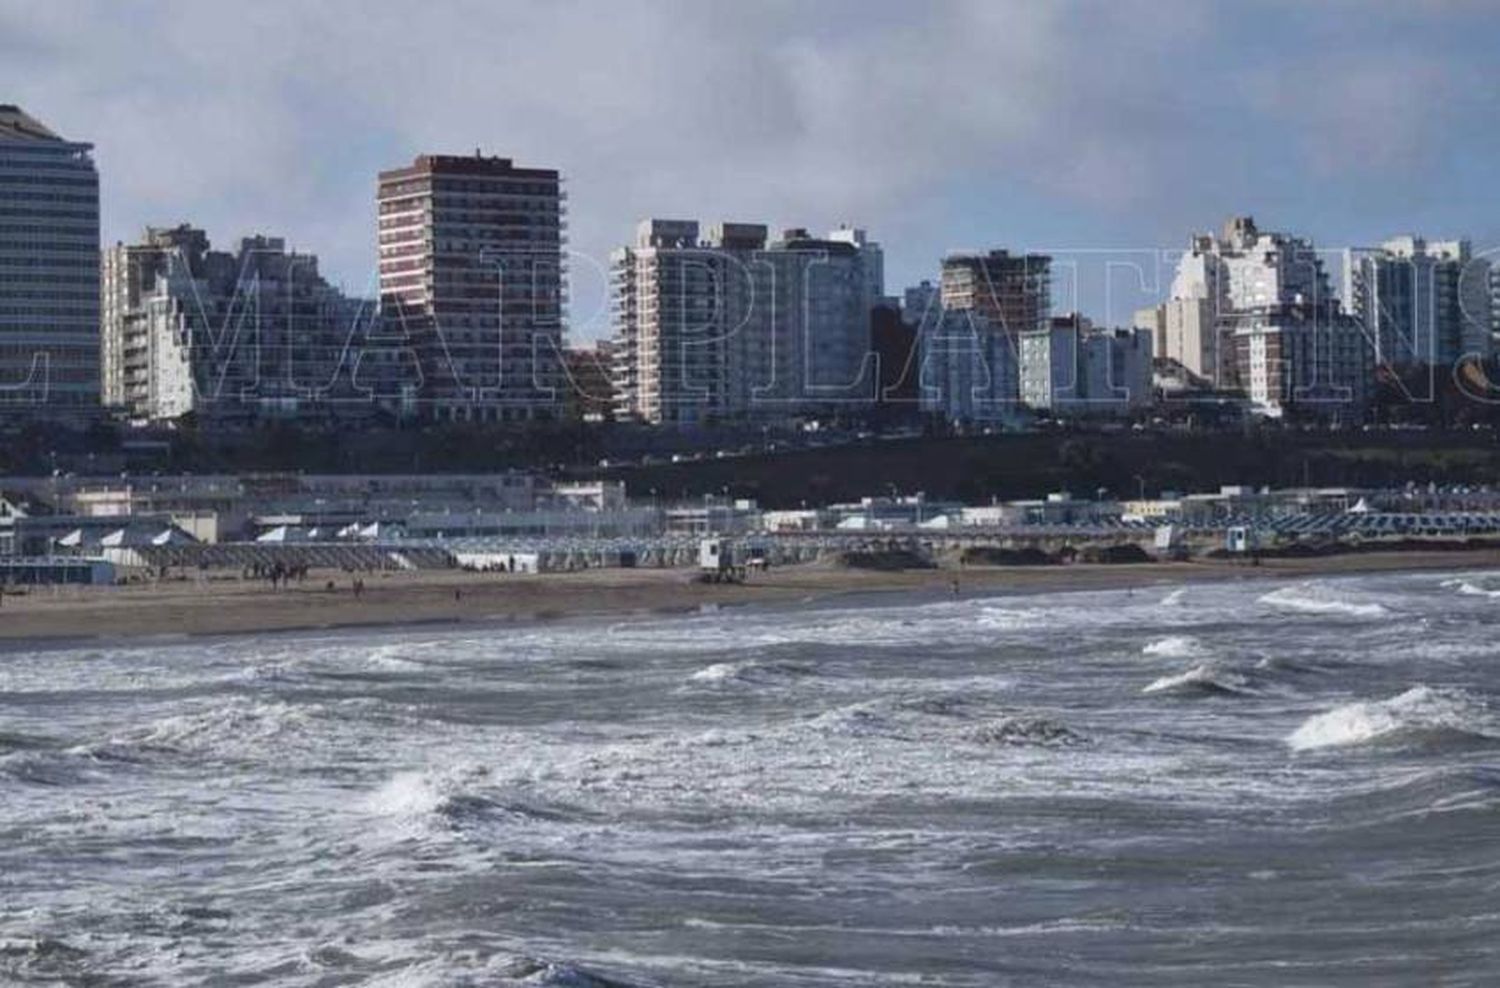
(1246, 783)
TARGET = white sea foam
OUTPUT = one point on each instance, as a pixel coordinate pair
(749, 672)
(236, 723)
(719, 672)
(1470, 589)
(1312, 599)
(1203, 678)
(1173, 647)
(1175, 598)
(858, 720)
(1419, 709)
(393, 658)
(1015, 619)
(434, 801)
(405, 794)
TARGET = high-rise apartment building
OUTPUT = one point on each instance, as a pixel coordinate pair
(1185, 331)
(870, 259)
(969, 369)
(1420, 302)
(129, 274)
(1013, 292)
(671, 318)
(49, 270)
(471, 273)
(1073, 368)
(1279, 333)
(729, 324)
(919, 300)
(970, 343)
(230, 337)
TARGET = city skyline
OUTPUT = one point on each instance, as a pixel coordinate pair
(1161, 125)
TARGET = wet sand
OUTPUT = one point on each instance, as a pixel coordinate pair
(234, 606)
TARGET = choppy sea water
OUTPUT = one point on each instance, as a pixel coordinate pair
(1254, 783)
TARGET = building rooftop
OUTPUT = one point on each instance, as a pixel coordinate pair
(17, 125)
(426, 165)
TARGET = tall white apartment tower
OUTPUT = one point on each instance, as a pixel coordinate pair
(729, 324)
(1278, 332)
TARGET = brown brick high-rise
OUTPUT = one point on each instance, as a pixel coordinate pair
(471, 271)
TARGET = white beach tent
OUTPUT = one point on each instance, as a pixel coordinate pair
(172, 536)
(118, 539)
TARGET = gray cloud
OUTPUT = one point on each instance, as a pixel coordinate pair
(936, 124)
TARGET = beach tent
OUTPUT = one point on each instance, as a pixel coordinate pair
(116, 539)
(172, 536)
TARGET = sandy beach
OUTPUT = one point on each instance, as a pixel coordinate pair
(234, 606)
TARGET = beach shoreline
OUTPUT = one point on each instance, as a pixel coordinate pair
(217, 607)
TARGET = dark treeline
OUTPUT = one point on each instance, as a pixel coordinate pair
(978, 469)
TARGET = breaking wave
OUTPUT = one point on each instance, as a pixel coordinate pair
(1173, 647)
(234, 725)
(750, 672)
(393, 658)
(1017, 619)
(1309, 599)
(1422, 714)
(1470, 589)
(858, 720)
(1204, 679)
(450, 800)
(501, 971)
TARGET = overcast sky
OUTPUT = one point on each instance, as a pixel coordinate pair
(1067, 127)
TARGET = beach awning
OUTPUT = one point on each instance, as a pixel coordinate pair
(172, 536)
